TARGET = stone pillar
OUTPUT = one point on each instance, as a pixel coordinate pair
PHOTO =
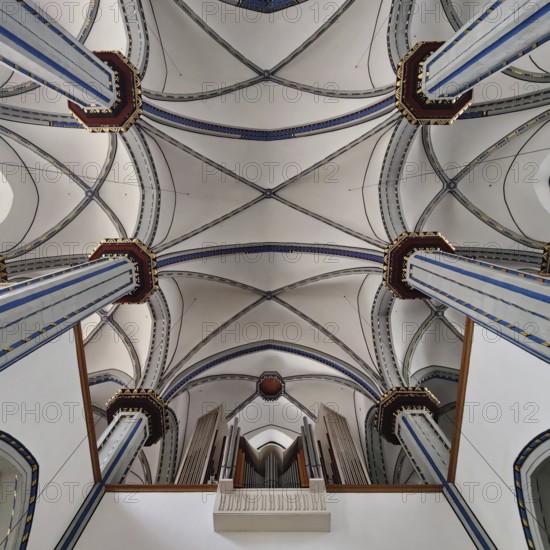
(34, 312)
(38, 47)
(510, 303)
(501, 33)
(120, 444)
(137, 418)
(425, 444)
(407, 417)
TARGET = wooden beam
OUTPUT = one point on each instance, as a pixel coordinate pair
(384, 488)
(302, 471)
(461, 397)
(401, 489)
(238, 478)
(110, 488)
(87, 402)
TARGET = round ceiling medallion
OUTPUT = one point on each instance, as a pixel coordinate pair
(270, 386)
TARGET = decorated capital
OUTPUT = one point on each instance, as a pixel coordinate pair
(411, 100)
(397, 254)
(144, 261)
(398, 400)
(142, 400)
(126, 109)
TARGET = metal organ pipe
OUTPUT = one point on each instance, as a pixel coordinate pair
(306, 452)
(235, 453)
(344, 452)
(231, 453)
(198, 454)
(226, 453)
(318, 472)
(311, 462)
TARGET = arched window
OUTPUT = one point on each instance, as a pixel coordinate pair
(532, 482)
(18, 489)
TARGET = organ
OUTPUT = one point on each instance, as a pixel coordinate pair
(324, 451)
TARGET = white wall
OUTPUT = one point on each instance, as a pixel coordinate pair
(506, 406)
(41, 406)
(184, 520)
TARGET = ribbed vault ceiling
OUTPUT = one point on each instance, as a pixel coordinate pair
(274, 135)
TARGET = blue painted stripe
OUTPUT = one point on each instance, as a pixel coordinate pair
(518, 465)
(57, 322)
(55, 325)
(451, 490)
(267, 347)
(104, 379)
(266, 6)
(113, 293)
(497, 267)
(462, 33)
(96, 492)
(45, 59)
(446, 377)
(39, 80)
(472, 114)
(23, 284)
(32, 489)
(121, 451)
(276, 248)
(16, 303)
(268, 135)
(496, 44)
(470, 288)
(72, 124)
(479, 315)
(89, 505)
(508, 286)
(69, 40)
(500, 67)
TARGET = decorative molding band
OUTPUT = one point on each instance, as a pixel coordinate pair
(3, 270)
(397, 254)
(397, 400)
(519, 463)
(544, 268)
(28, 457)
(145, 266)
(263, 6)
(146, 401)
(127, 107)
(417, 108)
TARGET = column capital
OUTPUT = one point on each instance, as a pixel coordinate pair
(544, 268)
(127, 106)
(142, 400)
(400, 399)
(145, 266)
(417, 108)
(397, 254)
(3, 270)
